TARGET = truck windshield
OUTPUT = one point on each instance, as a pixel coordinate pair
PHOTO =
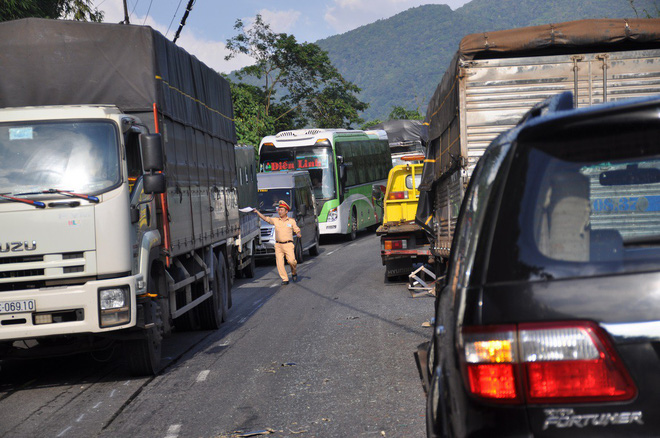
(317, 161)
(68, 155)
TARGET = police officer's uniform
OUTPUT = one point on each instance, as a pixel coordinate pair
(284, 247)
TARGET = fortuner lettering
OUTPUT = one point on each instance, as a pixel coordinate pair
(565, 418)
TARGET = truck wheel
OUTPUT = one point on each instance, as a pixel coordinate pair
(249, 270)
(231, 263)
(354, 226)
(144, 354)
(314, 250)
(214, 310)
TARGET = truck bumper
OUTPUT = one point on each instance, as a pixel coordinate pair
(72, 310)
(411, 254)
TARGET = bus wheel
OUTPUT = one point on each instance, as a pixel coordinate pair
(354, 226)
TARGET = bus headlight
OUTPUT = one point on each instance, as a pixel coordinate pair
(114, 306)
(332, 215)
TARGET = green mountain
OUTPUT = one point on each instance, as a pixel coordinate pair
(400, 60)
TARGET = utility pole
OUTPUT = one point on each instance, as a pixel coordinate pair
(126, 13)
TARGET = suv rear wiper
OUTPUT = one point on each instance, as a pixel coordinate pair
(37, 204)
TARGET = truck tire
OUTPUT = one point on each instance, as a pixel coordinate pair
(144, 354)
(249, 270)
(213, 311)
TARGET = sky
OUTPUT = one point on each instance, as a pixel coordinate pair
(210, 23)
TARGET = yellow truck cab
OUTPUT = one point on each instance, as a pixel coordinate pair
(403, 242)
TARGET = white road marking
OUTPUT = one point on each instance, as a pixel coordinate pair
(79, 419)
(173, 431)
(64, 431)
(112, 394)
(97, 405)
(203, 375)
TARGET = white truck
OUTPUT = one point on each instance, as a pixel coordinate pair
(495, 78)
(118, 200)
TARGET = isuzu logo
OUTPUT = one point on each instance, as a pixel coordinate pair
(18, 246)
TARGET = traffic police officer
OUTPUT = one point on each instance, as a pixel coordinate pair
(284, 228)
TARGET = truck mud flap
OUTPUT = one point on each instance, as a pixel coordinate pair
(398, 267)
(422, 361)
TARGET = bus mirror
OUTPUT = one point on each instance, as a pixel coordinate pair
(342, 174)
(340, 159)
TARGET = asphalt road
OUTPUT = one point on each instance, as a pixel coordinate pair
(328, 356)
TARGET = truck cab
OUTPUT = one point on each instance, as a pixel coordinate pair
(74, 209)
(403, 242)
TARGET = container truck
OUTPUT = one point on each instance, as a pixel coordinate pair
(118, 200)
(497, 77)
(405, 137)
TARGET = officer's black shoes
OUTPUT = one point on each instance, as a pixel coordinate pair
(294, 277)
(284, 283)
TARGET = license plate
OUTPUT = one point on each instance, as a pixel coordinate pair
(17, 306)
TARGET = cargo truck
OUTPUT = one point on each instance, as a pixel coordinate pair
(118, 200)
(497, 77)
(249, 238)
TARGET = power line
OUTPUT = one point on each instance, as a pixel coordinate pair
(147, 16)
(183, 19)
(173, 17)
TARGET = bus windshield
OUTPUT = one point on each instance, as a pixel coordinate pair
(317, 161)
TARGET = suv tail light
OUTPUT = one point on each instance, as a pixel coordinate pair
(544, 363)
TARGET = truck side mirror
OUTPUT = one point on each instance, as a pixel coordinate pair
(152, 152)
(154, 183)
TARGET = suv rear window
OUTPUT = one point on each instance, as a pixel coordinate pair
(580, 203)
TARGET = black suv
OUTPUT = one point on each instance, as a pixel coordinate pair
(548, 323)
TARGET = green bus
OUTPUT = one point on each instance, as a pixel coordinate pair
(348, 169)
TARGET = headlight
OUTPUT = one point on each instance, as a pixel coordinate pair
(332, 215)
(114, 306)
(112, 298)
